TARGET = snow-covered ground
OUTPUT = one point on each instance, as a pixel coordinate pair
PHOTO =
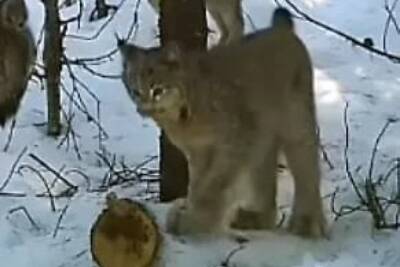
(370, 84)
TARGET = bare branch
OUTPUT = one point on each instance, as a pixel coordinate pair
(393, 57)
(73, 188)
(389, 9)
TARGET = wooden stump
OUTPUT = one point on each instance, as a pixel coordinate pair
(124, 235)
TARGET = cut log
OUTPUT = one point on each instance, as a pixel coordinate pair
(125, 235)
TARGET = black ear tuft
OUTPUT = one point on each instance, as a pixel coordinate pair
(120, 41)
(128, 51)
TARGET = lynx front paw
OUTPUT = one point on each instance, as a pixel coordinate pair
(253, 220)
(308, 225)
(174, 216)
(183, 221)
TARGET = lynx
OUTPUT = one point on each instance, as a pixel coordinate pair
(16, 56)
(227, 14)
(230, 110)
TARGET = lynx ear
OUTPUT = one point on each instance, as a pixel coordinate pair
(14, 13)
(128, 51)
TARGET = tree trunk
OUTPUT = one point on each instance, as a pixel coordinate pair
(184, 22)
(52, 53)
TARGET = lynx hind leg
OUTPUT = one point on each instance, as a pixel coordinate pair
(229, 19)
(307, 216)
(301, 150)
(209, 195)
(260, 213)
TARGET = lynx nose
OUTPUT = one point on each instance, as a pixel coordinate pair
(144, 110)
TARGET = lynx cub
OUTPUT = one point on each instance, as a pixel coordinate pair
(16, 56)
(230, 110)
(227, 14)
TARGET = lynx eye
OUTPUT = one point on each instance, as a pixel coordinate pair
(156, 92)
(136, 93)
(150, 71)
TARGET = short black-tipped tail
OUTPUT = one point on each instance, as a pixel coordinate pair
(282, 18)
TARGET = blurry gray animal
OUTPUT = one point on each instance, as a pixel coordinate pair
(17, 56)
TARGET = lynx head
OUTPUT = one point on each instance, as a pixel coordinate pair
(154, 80)
(14, 14)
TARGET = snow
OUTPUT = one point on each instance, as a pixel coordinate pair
(343, 73)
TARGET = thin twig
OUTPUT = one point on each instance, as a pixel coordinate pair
(375, 147)
(62, 215)
(13, 167)
(346, 154)
(10, 135)
(46, 185)
(227, 261)
(11, 194)
(390, 18)
(325, 155)
(26, 213)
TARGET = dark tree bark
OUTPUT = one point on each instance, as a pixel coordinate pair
(52, 53)
(184, 22)
(101, 10)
